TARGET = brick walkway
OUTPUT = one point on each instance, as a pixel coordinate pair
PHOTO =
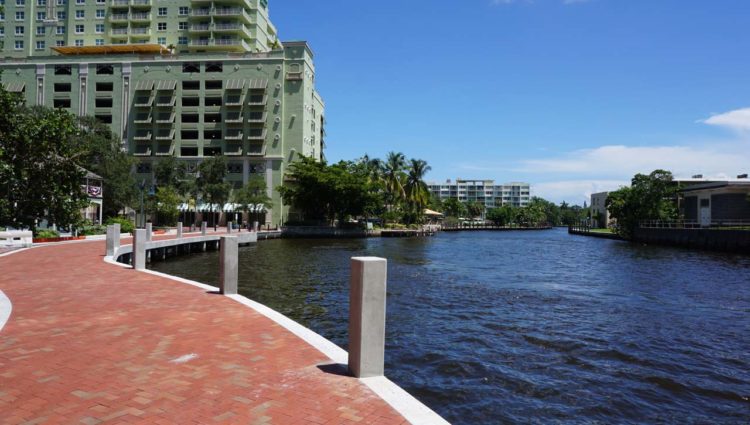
(91, 343)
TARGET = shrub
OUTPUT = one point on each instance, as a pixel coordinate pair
(92, 230)
(126, 226)
(47, 234)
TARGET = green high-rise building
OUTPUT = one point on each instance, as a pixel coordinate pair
(182, 78)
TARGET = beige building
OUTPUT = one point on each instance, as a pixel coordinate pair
(599, 214)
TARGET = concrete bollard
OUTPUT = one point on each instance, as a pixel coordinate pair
(179, 230)
(149, 232)
(139, 249)
(204, 225)
(113, 239)
(229, 227)
(367, 294)
(255, 226)
(228, 265)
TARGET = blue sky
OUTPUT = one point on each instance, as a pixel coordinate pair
(573, 96)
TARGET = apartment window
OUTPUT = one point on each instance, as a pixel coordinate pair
(184, 11)
(19, 30)
(182, 40)
(61, 103)
(61, 2)
(105, 69)
(101, 1)
(191, 101)
(62, 87)
(213, 85)
(104, 86)
(213, 101)
(41, 30)
(19, 45)
(41, 2)
(99, 29)
(79, 29)
(80, 14)
(79, 43)
(20, 2)
(188, 151)
(80, 1)
(40, 45)
(162, 11)
(212, 135)
(100, 13)
(2, 31)
(211, 151)
(191, 85)
(60, 30)
(191, 67)
(2, 16)
(20, 16)
(161, 26)
(214, 67)
(234, 168)
(61, 16)
(214, 118)
(100, 42)
(59, 43)
(40, 16)
(103, 102)
(190, 118)
(182, 25)
(143, 168)
(105, 118)
(189, 135)
(161, 40)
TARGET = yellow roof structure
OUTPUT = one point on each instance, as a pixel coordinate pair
(432, 213)
(112, 49)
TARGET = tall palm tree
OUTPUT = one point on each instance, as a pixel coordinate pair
(393, 174)
(417, 192)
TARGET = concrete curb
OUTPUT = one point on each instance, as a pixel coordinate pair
(5, 308)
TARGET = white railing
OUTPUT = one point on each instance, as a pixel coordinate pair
(16, 238)
(743, 224)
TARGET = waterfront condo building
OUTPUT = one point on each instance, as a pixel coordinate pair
(485, 192)
(184, 78)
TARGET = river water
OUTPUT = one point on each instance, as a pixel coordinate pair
(530, 327)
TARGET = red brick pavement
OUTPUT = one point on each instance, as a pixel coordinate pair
(89, 343)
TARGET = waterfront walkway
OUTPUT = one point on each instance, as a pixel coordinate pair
(89, 342)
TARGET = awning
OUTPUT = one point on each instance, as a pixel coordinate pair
(15, 86)
(147, 85)
(432, 213)
(228, 208)
(111, 49)
(235, 84)
(260, 84)
(166, 84)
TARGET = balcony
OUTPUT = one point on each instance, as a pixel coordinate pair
(257, 117)
(140, 17)
(142, 136)
(258, 100)
(257, 134)
(142, 150)
(200, 13)
(234, 135)
(140, 32)
(234, 12)
(235, 100)
(165, 118)
(197, 28)
(165, 135)
(165, 149)
(143, 102)
(141, 3)
(118, 33)
(233, 149)
(142, 119)
(219, 44)
(256, 149)
(234, 118)
(115, 4)
(118, 17)
(166, 101)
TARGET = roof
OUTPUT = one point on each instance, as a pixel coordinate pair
(433, 213)
(111, 49)
(14, 86)
(717, 185)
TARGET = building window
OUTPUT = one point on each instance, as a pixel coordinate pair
(103, 102)
(79, 43)
(143, 168)
(2, 31)
(59, 43)
(105, 69)
(101, 1)
(79, 29)
(40, 16)
(61, 103)
(191, 67)
(182, 40)
(62, 87)
(19, 30)
(189, 135)
(80, 1)
(184, 11)
(161, 40)
(191, 101)
(213, 101)
(60, 30)
(19, 45)
(213, 85)
(191, 85)
(105, 118)
(182, 25)
(40, 45)
(99, 29)
(161, 26)
(188, 151)
(41, 2)
(80, 14)
(61, 16)
(211, 151)
(41, 30)
(100, 13)
(214, 67)
(2, 16)
(100, 42)
(162, 11)
(20, 2)
(192, 118)
(20, 16)
(61, 2)
(214, 118)
(104, 86)
(212, 135)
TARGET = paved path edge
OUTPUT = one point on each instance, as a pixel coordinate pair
(401, 401)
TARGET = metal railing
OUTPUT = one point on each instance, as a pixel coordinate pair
(741, 224)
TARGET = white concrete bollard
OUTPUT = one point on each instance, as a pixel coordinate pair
(204, 225)
(255, 226)
(139, 249)
(113, 239)
(149, 231)
(367, 294)
(229, 227)
(228, 265)
(179, 230)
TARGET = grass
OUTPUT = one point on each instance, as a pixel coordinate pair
(607, 231)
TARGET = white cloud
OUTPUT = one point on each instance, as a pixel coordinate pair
(738, 120)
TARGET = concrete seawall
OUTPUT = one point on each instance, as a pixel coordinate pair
(737, 241)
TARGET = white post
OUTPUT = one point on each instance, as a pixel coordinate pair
(203, 228)
(139, 249)
(367, 294)
(255, 226)
(179, 230)
(113, 239)
(228, 265)
(149, 231)
(229, 227)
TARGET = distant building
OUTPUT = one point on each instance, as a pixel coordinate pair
(485, 192)
(599, 212)
(717, 203)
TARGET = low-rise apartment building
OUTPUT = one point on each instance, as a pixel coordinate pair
(485, 192)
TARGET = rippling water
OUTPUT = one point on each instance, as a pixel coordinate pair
(530, 327)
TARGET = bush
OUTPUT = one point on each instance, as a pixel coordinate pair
(126, 226)
(92, 230)
(47, 234)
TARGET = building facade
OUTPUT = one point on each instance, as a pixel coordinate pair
(485, 192)
(717, 203)
(256, 104)
(599, 212)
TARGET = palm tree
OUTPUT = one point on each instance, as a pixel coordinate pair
(417, 192)
(393, 175)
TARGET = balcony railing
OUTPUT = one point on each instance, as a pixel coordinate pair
(257, 117)
(119, 32)
(234, 136)
(257, 134)
(118, 17)
(140, 16)
(200, 28)
(140, 31)
(120, 3)
(200, 12)
(258, 100)
(141, 2)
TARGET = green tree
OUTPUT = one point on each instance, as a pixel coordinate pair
(649, 197)
(165, 205)
(474, 209)
(172, 172)
(502, 216)
(394, 177)
(210, 183)
(416, 190)
(252, 195)
(452, 207)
